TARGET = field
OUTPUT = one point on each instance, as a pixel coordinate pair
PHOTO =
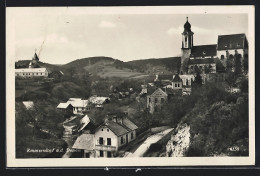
(107, 69)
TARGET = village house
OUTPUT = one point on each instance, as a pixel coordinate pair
(105, 140)
(113, 134)
(98, 102)
(155, 99)
(78, 105)
(65, 108)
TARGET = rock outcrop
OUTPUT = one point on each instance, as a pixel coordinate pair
(179, 142)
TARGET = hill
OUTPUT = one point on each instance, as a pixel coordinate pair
(159, 65)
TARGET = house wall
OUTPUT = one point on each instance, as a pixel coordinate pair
(176, 85)
(151, 104)
(30, 74)
(106, 133)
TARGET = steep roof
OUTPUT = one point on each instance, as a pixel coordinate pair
(77, 102)
(116, 128)
(204, 51)
(129, 124)
(84, 141)
(202, 61)
(63, 105)
(232, 41)
(28, 104)
(177, 78)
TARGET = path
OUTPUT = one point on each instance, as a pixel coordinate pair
(146, 144)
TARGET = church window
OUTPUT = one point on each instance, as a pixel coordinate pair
(222, 56)
(185, 39)
(231, 56)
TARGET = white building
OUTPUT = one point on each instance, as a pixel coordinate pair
(112, 135)
(31, 72)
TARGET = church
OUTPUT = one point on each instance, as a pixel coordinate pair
(229, 51)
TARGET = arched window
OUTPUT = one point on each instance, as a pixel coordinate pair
(222, 57)
(185, 39)
(231, 56)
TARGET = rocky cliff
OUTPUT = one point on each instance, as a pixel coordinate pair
(179, 141)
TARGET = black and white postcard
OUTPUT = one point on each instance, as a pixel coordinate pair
(130, 86)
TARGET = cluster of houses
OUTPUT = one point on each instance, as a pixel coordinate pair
(95, 139)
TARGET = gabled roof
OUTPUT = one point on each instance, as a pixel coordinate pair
(177, 78)
(204, 51)
(129, 124)
(202, 61)
(77, 102)
(232, 41)
(151, 89)
(160, 91)
(98, 100)
(116, 128)
(63, 105)
(28, 104)
(84, 141)
(35, 57)
(84, 122)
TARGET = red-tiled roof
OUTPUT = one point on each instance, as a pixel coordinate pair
(204, 51)
(233, 41)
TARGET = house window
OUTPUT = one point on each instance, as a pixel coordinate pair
(156, 100)
(162, 100)
(108, 141)
(107, 130)
(101, 153)
(178, 84)
(122, 140)
(222, 57)
(101, 141)
(109, 154)
(132, 135)
(175, 84)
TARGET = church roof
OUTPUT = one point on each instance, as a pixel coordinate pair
(177, 78)
(187, 26)
(204, 50)
(232, 41)
(202, 61)
(35, 57)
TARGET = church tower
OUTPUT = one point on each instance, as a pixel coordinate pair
(187, 44)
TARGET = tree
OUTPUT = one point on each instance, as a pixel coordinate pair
(198, 80)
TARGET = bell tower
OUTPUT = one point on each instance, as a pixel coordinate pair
(187, 44)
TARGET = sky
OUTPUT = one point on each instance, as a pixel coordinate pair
(62, 34)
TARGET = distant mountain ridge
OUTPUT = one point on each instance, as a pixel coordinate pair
(109, 67)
